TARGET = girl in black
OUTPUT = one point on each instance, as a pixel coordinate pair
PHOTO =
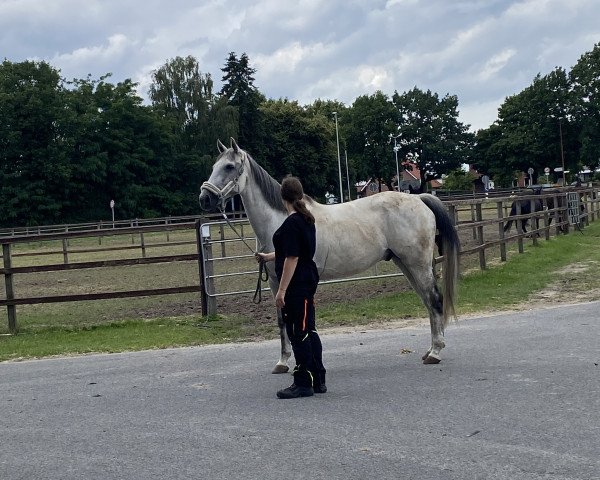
(295, 244)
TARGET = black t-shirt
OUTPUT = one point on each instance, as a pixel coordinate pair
(297, 238)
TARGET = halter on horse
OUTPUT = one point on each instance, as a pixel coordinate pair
(351, 236)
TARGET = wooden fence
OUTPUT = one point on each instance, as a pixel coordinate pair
(486, 218)
(8, 271)
(99, 225)
(480, 220)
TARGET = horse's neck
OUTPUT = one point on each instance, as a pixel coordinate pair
(264, 218)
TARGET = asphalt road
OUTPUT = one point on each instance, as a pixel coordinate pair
(517, 396)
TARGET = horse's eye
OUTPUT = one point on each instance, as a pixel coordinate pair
(229, 167)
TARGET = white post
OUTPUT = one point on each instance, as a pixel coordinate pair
(396, 148)
(337, 136)
(112, 208)
(347, 176)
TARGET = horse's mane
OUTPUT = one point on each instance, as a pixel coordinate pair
(270, 188)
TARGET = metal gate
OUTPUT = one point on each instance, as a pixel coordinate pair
(215, 238)
(574, 208)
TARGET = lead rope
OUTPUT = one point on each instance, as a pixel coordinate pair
(263, 274)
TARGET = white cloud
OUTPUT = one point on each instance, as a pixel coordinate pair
(496, 63)
(288, 58)
(117, 46)
(372, 78)
(479, 50)
(479, 115)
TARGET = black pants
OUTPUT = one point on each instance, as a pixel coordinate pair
(299, 319)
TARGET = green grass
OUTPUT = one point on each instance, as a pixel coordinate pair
(514, 281)
(128, 335)
(501, 287)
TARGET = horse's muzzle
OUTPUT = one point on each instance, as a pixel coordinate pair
(208, 201)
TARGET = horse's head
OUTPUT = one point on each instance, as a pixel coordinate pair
(228, 177)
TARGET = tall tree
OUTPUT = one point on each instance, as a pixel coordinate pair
(34, 167)
(367, 125)
(240, 92)
(531, 127)
(87, 198)
(488, 156)
(180, 89)
(184, 96)
(431, 134)
(297, 143)
(332, 110)
(585, 83)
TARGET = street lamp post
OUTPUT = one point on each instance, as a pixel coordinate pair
(562, 153)
(347, 175)
(337, 136)
(396, 148)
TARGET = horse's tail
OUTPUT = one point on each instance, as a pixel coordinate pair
(450, 248)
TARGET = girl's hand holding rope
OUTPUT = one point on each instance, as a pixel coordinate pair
(264, 257)
(263, 274)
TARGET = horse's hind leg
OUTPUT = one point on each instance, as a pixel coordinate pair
(422, 279)
(436, 322)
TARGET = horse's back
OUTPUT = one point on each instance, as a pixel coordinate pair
(353, 236)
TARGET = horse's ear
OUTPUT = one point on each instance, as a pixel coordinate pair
(220, 146)
(234, 145)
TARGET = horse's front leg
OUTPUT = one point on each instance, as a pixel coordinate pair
(286, 346)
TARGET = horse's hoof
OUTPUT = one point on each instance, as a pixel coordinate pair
(280, 369)
(432, 359)
(424, 357)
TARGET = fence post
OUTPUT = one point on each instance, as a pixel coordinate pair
(565, 214)
(453, 214)
(473, 219)
(587, 208)
(557, 215)
(519, 226)
(479, 218)
(546, 219)
(100, 236)
(10, 294)
(209, 301)
(65, 251)
(167, 224)
(143, 244)
(500, 211)
(222, 235)
(533, 222)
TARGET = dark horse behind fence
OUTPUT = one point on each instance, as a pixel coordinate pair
(526, 205)
(351, 236)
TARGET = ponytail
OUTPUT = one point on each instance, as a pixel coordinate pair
(300, 207)
(292, 191)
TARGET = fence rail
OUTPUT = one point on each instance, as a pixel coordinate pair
(114, 228)
(481, 220)
(10, 301)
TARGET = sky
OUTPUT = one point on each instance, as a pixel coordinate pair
(479, 50)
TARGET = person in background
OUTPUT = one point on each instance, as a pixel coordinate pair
(295, 245)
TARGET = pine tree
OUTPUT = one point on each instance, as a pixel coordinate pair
(240, 92)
